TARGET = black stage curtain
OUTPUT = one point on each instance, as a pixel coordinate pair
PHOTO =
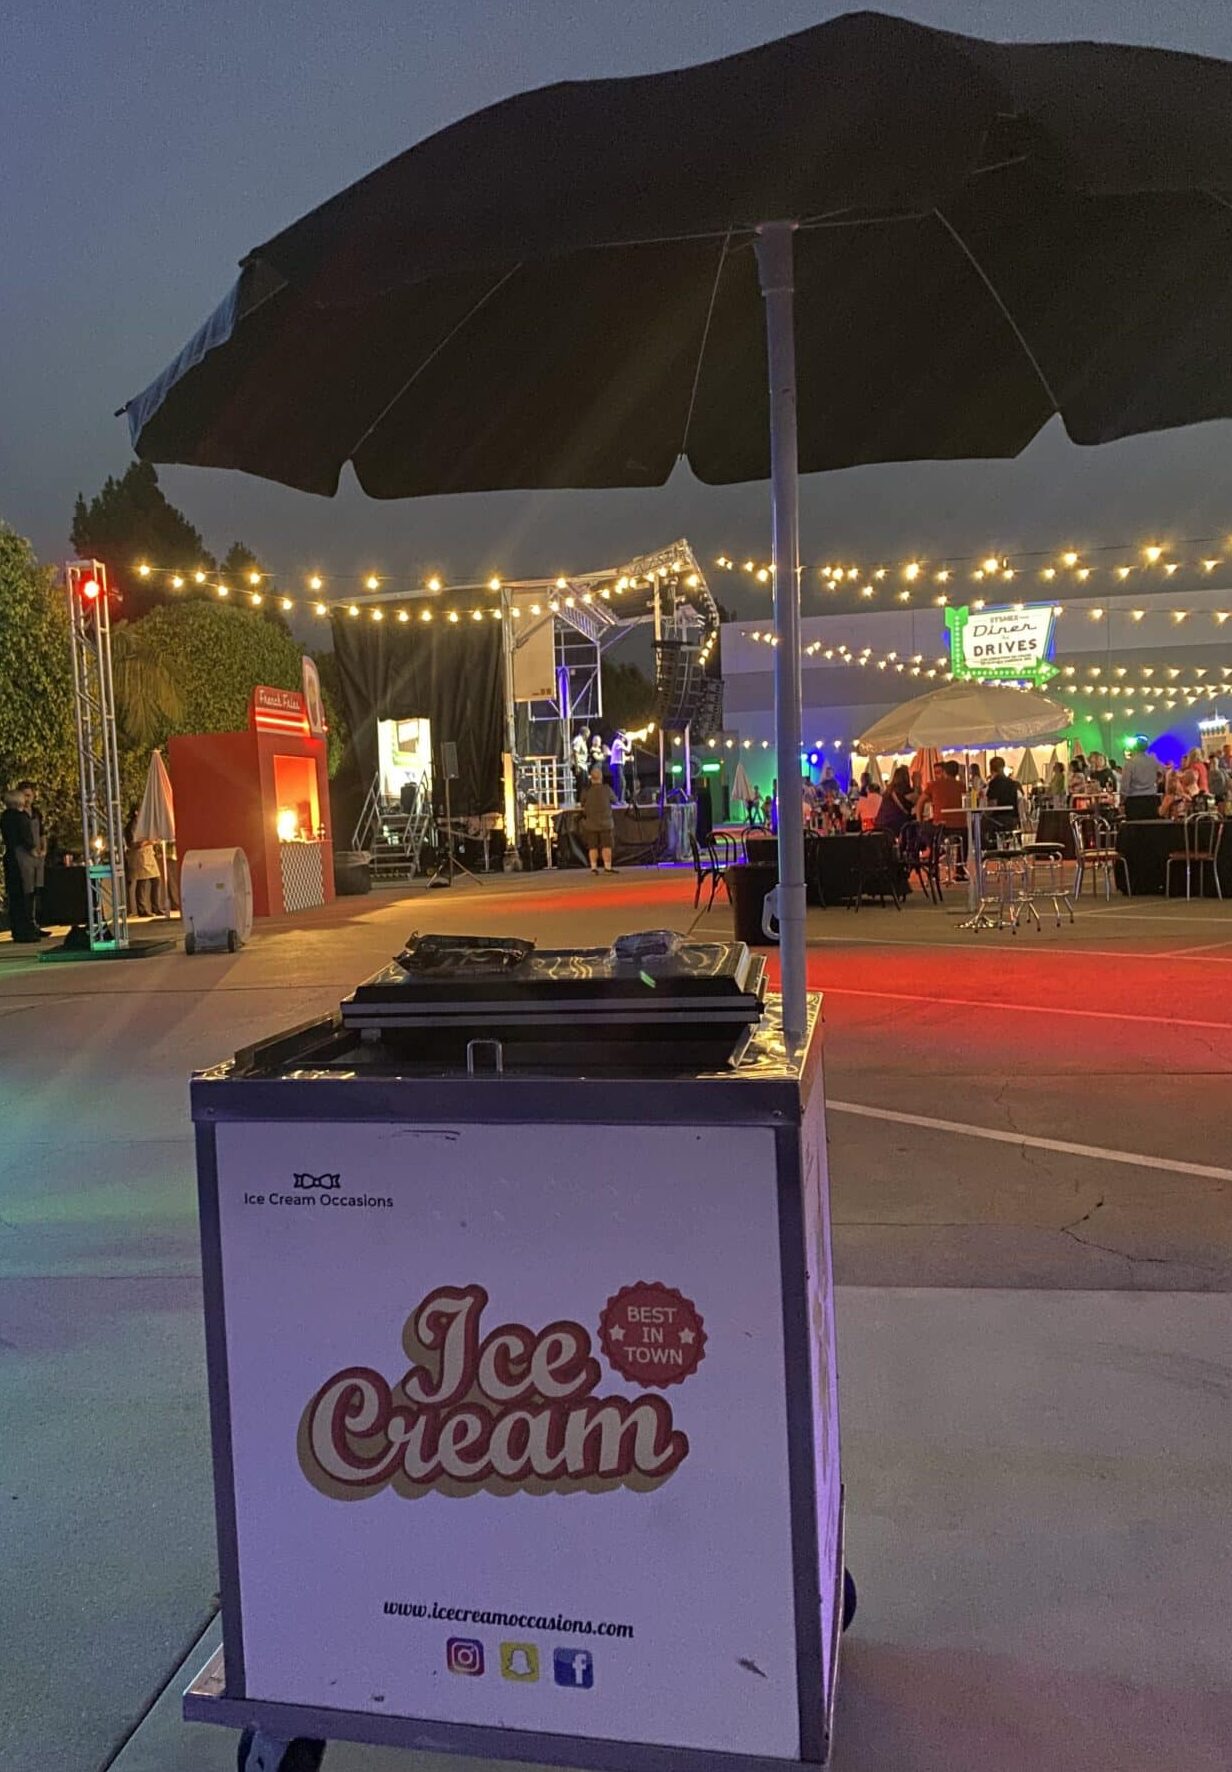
(445, 672)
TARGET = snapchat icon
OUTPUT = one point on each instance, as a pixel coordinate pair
(519, 1661)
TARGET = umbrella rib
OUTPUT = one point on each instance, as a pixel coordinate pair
(991, 287)
(433, 354)
(701, 348)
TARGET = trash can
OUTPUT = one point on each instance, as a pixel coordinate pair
(523, 1388)
(747, 885)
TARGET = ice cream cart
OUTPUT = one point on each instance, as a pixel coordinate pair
(523, 1389)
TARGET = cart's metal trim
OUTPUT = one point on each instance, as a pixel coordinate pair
(205, 1702)
(219, 1387)
(801, 1470)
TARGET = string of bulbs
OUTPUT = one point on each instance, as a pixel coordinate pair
(1046, 564)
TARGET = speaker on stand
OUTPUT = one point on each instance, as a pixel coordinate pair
(449, 865)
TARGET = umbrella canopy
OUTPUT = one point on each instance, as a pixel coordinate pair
(156, 815)
(741, 787)
(972, 715)
(561, 289)
(956, 239)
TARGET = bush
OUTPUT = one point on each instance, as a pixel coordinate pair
(37, 738)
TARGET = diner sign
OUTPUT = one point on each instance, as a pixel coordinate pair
(1007, 644)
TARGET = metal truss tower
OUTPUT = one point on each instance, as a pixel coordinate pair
(98, 762)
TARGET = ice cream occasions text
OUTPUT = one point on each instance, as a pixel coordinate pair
(509, 1409)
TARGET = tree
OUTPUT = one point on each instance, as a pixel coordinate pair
(131, 521)
(214, 655)
(239, 567)
(148, 701)
(628, 695)
(37, 734)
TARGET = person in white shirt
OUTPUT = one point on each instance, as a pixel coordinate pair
(616, 764)
(581, 759)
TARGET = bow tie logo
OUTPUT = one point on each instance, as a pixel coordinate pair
(326, 1182)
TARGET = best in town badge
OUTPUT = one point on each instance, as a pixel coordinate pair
(652, 1334)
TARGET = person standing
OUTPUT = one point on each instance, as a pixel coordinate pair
(1140, 785)
(598, 822)
(616, 764)
(141, 872)
(581, 760)
(39, 828)
(19, 866)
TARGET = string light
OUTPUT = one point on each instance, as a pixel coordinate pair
(372, 582)
(314, 583)
(223, 591)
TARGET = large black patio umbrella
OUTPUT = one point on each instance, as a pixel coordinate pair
(941, 241)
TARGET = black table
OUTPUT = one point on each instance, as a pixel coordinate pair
(836, 868)
(1147, 843)
(1054, 827)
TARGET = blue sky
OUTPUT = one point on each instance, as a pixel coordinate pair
(147, 146)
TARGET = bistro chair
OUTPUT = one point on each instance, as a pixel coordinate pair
(920, 847)
(1203, 833)
(1095, 848)
(706, 868)
(878, 870)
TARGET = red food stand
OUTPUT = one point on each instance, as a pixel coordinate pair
(265, 791)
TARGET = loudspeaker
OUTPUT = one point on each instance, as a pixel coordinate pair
(449, 760)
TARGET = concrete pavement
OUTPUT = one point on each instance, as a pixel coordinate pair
(1058, 1501)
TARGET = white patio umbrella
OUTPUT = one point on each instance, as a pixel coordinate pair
(967, 715)
(156, 814)
(1028, 769)
(741, 787)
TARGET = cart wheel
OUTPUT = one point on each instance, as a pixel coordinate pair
(233, 942)
(190, 943)
(850, 1598)
(259, 1752)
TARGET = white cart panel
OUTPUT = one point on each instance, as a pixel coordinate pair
(657, 1592)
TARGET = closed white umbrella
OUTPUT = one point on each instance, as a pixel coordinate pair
(1028, 769)
(156, 817)
(741, 787)
(967, 715)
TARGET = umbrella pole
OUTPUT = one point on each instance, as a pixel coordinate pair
(775, 271)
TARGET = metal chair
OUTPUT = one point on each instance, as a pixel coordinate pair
(1203, 833)
(1095, 847)
(707, 869)
(920, 847)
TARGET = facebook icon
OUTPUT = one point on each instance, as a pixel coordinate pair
(573, 1667)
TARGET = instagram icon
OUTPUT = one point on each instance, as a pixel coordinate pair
(464, 1655)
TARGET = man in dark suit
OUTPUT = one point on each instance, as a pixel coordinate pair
(20, 866)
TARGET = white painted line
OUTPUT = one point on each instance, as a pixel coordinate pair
(1028, 950)
(1155, 1021)
(1135, 1159)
